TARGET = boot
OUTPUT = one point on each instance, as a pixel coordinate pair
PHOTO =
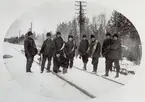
(94, 68)
(106, 74)
(48, 71)
(94, 71)
(55, 71)
(64, 70)
(30, 72)
(59, 71)
(117, 75)
(70, 66)
(85, 64)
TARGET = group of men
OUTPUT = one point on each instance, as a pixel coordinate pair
(63, 53)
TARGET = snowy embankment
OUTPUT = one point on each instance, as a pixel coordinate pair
(48, 85)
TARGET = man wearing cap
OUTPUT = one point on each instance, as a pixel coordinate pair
(47, 52)
(59, 61)
(105, 51)
(95, 47)
(30, 50)
(59, 45)
(69, 50)
(114, 55)
(84, 50)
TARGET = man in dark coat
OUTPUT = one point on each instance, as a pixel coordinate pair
(30, 50)
(84, 50)
(105, 50)
(70, 47)
(107, 42)
(59, 61)
(47, 52)
(59, 45)
(114, 55)
(95, 47)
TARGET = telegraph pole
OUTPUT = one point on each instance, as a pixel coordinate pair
(31, 26)
(81, 5)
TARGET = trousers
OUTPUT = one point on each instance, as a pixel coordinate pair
(29, 63)
(44, 61)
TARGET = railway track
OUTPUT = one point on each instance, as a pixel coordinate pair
(100, 76)
(72, 83)
(69, 82)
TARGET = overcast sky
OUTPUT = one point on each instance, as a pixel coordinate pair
(47, 16)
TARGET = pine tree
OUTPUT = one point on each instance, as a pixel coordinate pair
(125, 29)
(98, 27)
(64, 28)
(121, 25)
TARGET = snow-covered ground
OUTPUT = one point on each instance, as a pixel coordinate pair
(45, 84)
(101, 69)
(52, 87)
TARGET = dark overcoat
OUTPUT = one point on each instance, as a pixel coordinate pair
(47, 48)
(115, 50)
(30, 47)
(69, 50)
(83, 47)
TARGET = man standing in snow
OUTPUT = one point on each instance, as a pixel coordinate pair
(105, 51)
(84, 50)
(30, 50)
(69, 50)
(95, 47)
(47, 52)
(59, 45)
(114, 54)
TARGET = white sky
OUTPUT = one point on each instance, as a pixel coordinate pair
(47, 16)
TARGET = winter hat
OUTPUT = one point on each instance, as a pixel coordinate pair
(70, 36)
(108, 34)
(29, 33)
(58, 33)
(84, 36)
(48, 34)
(115, 35)
(92, 36)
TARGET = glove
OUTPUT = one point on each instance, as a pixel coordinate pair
(57, 55)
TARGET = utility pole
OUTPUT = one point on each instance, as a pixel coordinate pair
(31, 26)
(81, 13)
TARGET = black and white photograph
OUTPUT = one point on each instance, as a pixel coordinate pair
(72, 50)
